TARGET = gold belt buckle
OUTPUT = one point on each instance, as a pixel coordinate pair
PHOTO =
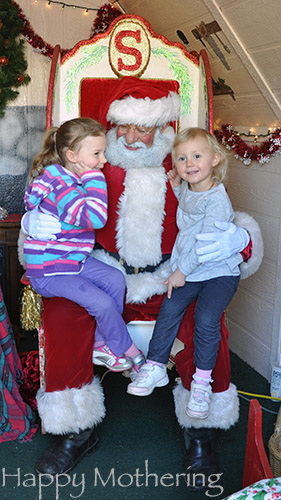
(122, 262)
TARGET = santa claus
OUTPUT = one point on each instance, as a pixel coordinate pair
(138, 239)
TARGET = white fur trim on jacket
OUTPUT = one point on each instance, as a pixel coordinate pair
(224, 409)
(141, 211)
(145, 112)
(71, 410)
(142, 286)
(242, 219)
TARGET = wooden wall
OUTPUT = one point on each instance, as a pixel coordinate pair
(254, 313)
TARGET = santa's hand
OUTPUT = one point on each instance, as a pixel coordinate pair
(226, 242)
(176, 280)
(40, 226)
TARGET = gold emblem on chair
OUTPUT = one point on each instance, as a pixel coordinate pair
(129, 48)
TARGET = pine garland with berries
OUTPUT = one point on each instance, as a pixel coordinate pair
(13, 64)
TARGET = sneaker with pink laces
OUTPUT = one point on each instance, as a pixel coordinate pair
(199, 401)
(103, 356)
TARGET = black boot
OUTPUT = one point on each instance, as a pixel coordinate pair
(66, 452)
(200, 457)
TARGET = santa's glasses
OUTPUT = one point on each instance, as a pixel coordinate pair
(140, 131)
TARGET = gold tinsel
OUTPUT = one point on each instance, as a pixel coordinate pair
(31, 317)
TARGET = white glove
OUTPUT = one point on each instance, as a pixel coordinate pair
(40, 226)
(229, 241)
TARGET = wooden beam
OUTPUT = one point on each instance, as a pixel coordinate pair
(245, 57)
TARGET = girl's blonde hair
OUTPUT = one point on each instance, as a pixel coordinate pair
(219, 172)
(57, 140)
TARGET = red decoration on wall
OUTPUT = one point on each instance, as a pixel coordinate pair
(105, 15)
(3, 61)
(247, 153)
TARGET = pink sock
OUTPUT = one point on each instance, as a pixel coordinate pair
(98, 343)
(203, 375)
(133, 351)
(152, 362)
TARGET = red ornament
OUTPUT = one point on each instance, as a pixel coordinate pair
(1, 24)
(20, 79)
(3, 61)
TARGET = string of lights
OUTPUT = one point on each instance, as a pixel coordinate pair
(256, 136)
(252, 134)
(73, 6)
(115, 4)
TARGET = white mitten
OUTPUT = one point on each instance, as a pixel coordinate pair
(40, 226)
(226, 242)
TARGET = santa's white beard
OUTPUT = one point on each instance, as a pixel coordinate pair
(141, 212)
(118, 155)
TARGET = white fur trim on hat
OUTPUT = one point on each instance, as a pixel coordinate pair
(145, 112)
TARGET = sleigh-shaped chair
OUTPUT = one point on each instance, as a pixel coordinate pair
(87, 74)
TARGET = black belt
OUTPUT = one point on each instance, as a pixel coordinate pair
(131, 269)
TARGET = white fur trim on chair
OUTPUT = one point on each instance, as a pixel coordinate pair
(71, 410)
(21, 240)
(245, 220)
(224, 409)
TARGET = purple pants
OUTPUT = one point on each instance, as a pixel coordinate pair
(100, 289)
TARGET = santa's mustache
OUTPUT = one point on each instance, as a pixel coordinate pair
(118, 151)
(137, 144)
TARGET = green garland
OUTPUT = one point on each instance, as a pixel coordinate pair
(180, 72)
(13, 64)
(90, 56)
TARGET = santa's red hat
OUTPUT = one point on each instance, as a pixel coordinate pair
(142, 102)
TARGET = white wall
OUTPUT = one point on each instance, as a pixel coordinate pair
(254, 313)
(54, 25)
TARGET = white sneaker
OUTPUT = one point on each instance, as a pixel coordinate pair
(199, 401)
(149, 377)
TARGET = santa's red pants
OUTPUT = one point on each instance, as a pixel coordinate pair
(69, 339)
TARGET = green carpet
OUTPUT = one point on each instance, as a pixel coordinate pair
(141, 452)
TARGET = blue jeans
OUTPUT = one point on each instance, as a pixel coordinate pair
(213, 296)
(100, 289)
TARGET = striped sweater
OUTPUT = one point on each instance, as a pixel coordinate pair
(80, 203)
